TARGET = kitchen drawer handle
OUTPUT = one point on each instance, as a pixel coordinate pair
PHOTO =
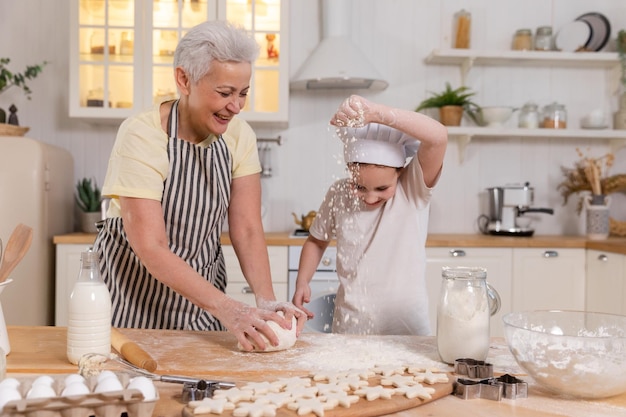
(550, 254)
(457, 253)
(247, 290)
(326, 261)
(603, 258)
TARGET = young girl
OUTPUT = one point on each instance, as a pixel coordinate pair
(379, 218)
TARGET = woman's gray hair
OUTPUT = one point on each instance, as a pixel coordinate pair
(213, 40)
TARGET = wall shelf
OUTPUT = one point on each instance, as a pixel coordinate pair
(468, 58)
(465, 134)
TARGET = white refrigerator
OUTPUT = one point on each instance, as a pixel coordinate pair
(37, 189)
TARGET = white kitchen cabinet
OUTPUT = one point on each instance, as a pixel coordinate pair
(66, 272)
(238, 287)
(121, 54)
(548, 279)
(606, 282)
(497, 261)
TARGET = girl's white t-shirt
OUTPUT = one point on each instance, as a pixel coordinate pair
(381, 257)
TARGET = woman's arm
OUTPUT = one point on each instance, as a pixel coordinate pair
(246, 233)
(145, 228)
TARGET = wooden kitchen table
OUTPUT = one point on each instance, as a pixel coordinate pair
(41, 350)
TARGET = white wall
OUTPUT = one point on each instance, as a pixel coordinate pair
(396, 35)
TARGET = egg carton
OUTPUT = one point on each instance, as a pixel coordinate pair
(130, 402)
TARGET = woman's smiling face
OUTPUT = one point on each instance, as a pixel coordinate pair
(220, 94)
(373, 184)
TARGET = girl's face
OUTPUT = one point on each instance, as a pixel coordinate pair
(219, 95)
(374, 184)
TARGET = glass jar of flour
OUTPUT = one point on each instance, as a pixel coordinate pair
(466, 304)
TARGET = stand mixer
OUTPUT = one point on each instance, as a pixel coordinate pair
(506, 205)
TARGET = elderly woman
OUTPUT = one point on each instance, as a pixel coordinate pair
(175, 173)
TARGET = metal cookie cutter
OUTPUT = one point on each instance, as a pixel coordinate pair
(468, 389)
(506, 386)
(512, 387)
(473, 368)
(196, 391)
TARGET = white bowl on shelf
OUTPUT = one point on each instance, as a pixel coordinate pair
(495, 116)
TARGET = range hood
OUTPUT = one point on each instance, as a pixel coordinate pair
(337, 63)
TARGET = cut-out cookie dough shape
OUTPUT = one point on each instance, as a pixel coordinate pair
(417, 390)
(340, 398)
(234, 395)
(259, 388)
(431, 377)
(304, 406)
(388, 370)
(398, 380)
(259, 408)
(375, 392)
(286, 338)
(211, 405)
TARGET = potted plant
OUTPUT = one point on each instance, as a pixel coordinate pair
(451, 104)
(10, 79)
(88, 199)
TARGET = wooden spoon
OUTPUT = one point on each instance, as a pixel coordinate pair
(17, 246)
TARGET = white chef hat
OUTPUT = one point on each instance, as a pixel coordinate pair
(377, 144)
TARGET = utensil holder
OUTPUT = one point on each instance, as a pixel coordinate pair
(4, 335)
(597, 218)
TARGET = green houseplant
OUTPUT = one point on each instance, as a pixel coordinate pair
(451, 104)
(10, 79)
(88, 200)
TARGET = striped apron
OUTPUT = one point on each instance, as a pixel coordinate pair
(195, 202)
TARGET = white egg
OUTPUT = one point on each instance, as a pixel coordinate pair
(145, 385)
(44, 380)
(10, 382)
(8, 394)
(75, 388)
(105, 375)
(41, 391)
(109, 384)
(71, 378)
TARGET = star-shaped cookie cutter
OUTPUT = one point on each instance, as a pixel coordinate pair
(495, 389)
(473, 368)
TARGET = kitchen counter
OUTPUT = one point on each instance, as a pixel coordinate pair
(612, 244)
(41, 351)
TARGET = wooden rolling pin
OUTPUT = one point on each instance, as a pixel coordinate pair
(131, 351)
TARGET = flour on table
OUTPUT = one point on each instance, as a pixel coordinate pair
(286, 337)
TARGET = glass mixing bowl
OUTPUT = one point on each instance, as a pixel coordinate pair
(571, 353)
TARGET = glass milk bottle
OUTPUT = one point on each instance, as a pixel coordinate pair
(465, 307)
(89, 321)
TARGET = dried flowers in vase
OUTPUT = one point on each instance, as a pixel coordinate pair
(589, 174)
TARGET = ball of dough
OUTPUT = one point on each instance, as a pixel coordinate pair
(286, 338)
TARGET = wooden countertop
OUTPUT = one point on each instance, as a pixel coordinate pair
(612, 244)
(41, 351)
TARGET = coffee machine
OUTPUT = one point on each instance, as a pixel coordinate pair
(506, 205)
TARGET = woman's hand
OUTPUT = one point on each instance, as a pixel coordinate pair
(289, 310)
(247, 323)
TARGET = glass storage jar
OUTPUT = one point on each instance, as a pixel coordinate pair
(543, 38)
(522, 40)
(529, 116)
(554, 116)
(462, 29)
(466, 304)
